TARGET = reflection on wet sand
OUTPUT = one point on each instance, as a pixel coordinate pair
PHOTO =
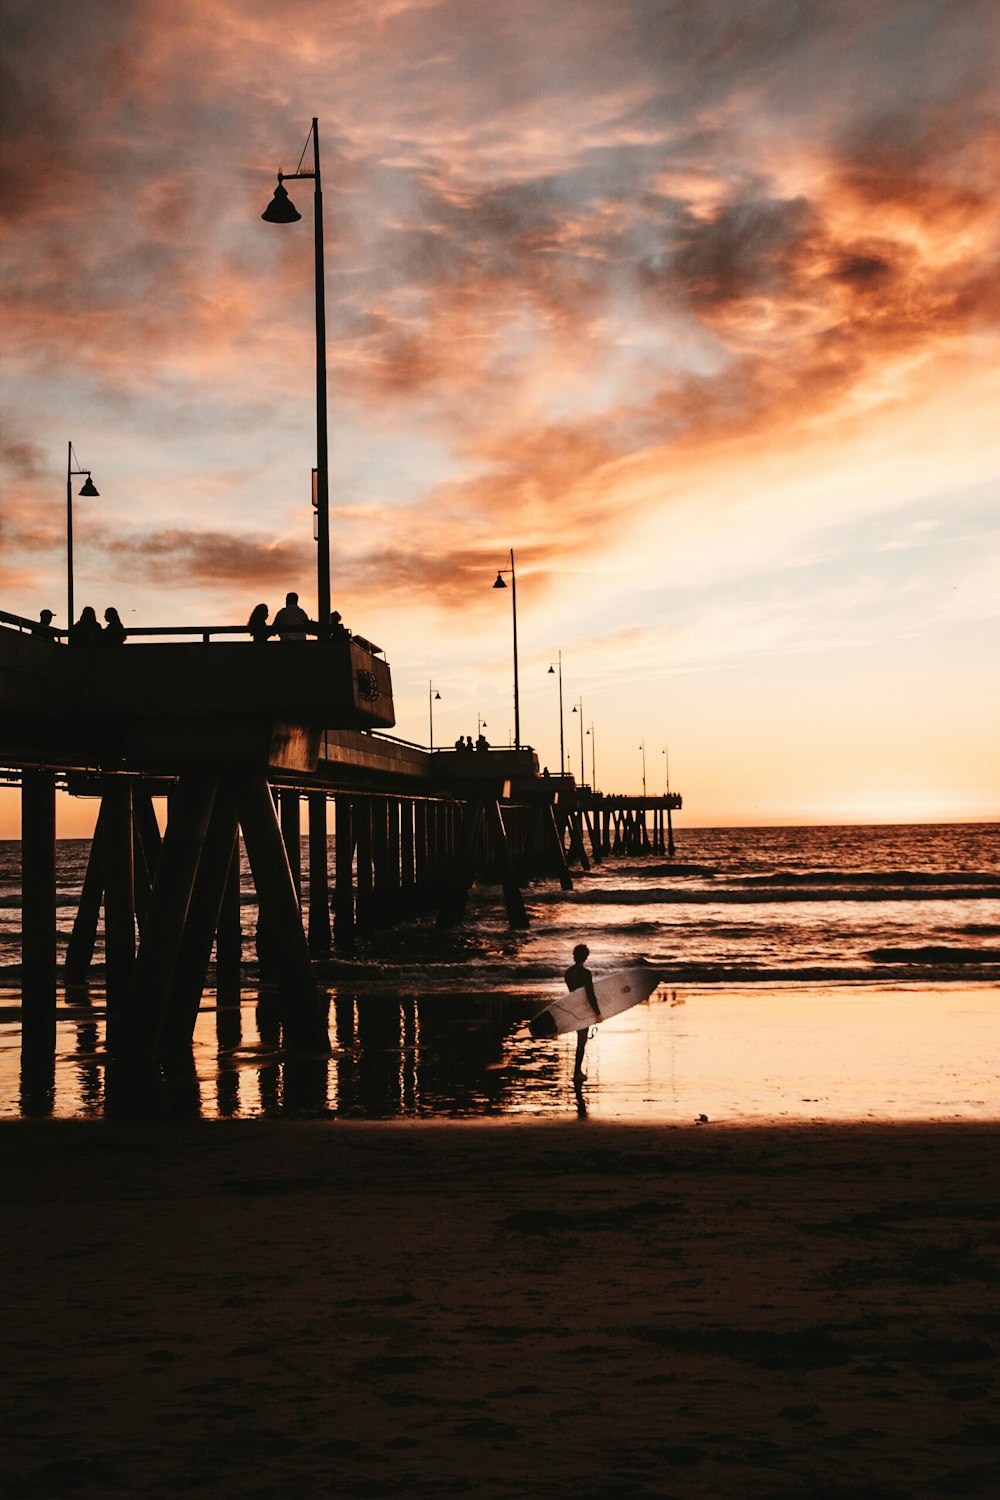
(793, 1054)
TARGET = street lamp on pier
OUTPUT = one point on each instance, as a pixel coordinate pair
(642, 747)
(593, 758)
(513, 599)
(90, 492)
(562, 752)
(432, 698)
(281, 210)
(578, 709)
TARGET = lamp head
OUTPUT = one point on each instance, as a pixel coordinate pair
(281, 209)
(551, 671)
(89, 489)
(437, 697)
(499, 583)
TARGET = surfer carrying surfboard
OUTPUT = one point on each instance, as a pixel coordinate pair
(579, 977)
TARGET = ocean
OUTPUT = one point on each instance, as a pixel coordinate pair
(807, 973)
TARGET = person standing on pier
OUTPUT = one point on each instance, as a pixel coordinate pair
(291, 622)
(579, 977)
(257, 625)
(113, 633)
(86, 631)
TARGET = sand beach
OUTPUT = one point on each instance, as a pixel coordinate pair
(259, 1309)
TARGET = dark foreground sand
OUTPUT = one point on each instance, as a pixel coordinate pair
(326, 1309)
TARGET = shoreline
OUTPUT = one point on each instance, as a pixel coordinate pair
(250, 1308)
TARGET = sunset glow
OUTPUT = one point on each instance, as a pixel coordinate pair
(694, 305)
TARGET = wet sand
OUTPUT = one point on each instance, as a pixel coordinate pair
(265, 1309)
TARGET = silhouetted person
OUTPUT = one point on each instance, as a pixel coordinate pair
(468, 742)
(43, 629)
(338, 630)
(113, 633)
(460, 743)
(482, 743)
(87, 629)
(257, 625)
(578, 977)
(291, 622)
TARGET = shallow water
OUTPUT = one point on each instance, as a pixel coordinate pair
(737, 1055)
(835, 973)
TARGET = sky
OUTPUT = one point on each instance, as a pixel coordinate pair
(693, 305)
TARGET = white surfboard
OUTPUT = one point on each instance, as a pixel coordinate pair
(615, 992)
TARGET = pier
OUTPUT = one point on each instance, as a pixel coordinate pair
(271, 742)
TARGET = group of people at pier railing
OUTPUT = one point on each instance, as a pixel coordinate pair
(87, 630)
(465, 746)
(290, 623)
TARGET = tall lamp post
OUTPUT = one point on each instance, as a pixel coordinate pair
(593, 758)
(281, 210)
(642, 747)
(578, 709)
(562, 752)
(89, 491)
(513, 599)
(432, 698)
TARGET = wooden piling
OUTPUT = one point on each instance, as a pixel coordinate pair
(190, 969)
(319, 878)
(343, 891)
(364, 916)
(517, 916)
(152, 975)
(119, 899)
(302, 1015)
(229, 938)
(38, 912)
(80, 948)
(456, 890)
(291, 833)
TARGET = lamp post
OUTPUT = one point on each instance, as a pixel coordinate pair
(89, 490)
(562, 752)
(593, 758)
(281, 210)
(432, 697)
(642, 747)
(670, 822)
(513, 599)
(578, 709)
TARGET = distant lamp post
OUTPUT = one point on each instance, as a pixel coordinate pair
(593, 759)
(480, 725)
(90, 491)
(562, 751)
(432, 698)
(578, 709)
(642, 747)
(670, 821)
(281, 210)
(513, 599)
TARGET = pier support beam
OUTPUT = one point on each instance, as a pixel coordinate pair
(517, 916)
(80, 948)
(119, 898)
(319, 879)
(343, 891)
(38, 911)
(152, 976)
(302, 1016)
(229, 938)
(184, 1000)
